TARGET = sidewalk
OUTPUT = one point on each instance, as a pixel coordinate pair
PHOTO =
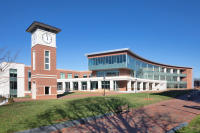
(154, 118)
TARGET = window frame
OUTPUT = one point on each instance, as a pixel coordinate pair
(49, 57)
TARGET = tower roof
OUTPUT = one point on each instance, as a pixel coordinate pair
(35, 25)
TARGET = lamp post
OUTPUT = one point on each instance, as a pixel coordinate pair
(104, 94)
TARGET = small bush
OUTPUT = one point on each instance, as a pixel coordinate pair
(11, 100)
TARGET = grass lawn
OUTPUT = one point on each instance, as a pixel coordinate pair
(25, 115)
(193, 127)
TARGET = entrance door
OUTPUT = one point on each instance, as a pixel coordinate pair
(34, 91)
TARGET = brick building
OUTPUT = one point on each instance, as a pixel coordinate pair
(114, 70)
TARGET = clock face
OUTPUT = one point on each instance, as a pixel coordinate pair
(47, 38)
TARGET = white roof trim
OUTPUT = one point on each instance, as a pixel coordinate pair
(103, 52)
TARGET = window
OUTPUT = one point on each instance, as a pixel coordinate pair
(47, 60)
(76, 76)
(162, 69)
(59, 86)
(47, 90)
(13, 82)
(29, 74)
(29, 86)
(75, 85)
(156, 68)
(105, 84)
(69, 75)
(175, 78)
(107, 60)
(168, 70)
(156, 77)
(175, 71)
(84, 85)
(84, 76)
(162, 77)
(67, 86)
(62, 75)
(33, 60)
(168, 78)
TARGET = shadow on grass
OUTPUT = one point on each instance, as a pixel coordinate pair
(91, 107)
(64, 94)
(179, 94)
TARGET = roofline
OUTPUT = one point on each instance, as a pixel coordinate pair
(37, 24)
(108, 51)
(135, 55)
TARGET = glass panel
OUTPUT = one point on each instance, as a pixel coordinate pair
(29, 85)
(69, 75)
(46, 60)
(46, 66)
(47, 53)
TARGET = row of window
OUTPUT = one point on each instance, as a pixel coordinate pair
(93, 85)
(115, 59)
(172, 85)
(69, 75)
(107, 73)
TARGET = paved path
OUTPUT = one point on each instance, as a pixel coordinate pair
(154, 118)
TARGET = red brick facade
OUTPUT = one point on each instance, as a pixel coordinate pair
(44, 78)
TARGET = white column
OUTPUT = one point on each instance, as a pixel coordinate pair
(79, 85)
(178, 71)
(165, 69)
(88, 86)
(99, 85)
(111, 85)
(129, 85)
(63, 86)
(153, 86)
(178, 78)
(158, 86)
(147, 86)
(135, 86)
(171, 70)
(141, 86)
(71, 86)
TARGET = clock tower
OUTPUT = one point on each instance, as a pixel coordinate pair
(43, 60)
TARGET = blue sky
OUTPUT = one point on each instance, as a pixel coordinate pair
(165, 31)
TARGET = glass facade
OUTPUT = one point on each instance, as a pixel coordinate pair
(139, 69)
(107, 62)
(108, 73)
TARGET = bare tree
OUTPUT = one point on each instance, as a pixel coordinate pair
(6, 58)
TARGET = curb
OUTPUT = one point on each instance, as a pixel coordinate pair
(55, 127)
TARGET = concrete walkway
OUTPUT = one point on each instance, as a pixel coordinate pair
(154, 118)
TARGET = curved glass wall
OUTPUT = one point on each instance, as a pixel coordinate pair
(107, 62)
(140, 69)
